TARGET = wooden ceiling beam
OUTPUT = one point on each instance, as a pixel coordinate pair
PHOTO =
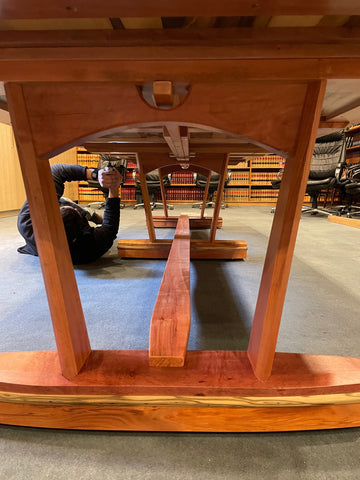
(177, 138)
(13, 9)
(142, 147)
(336, 124)
(192, 71)
(243, 42)
(198, 139)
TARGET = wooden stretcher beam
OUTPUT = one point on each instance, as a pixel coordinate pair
(195, 222)
(199, 249)
(170, 322)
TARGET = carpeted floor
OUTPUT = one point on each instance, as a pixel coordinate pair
(118, 295)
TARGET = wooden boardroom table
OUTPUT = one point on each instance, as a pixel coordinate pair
(167, 387)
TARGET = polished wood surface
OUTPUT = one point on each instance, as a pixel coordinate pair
(64, 301)
(146, 200)
(219, 194)
(214, 391)
(205, 196)
(210, 373)
(199, 249)
(61, 115)
(118, 8)
(181, 419)
(266, 323)
(12, 191)
(170, 321)
(195, 222)
(350, 222)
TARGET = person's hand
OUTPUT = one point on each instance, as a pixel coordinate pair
(110, 179)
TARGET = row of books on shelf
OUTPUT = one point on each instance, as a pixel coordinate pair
(89, 160)
(243, 178)
(185, 194)
(239, 178)
(268, 161)
(88, 194)
(263, 176)
(254, 194)
(182, 178)
(128, 194)
(129, 179)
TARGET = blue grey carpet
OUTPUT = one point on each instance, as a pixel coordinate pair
(320, 316)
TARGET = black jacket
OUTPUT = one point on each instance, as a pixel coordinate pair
(93, 242)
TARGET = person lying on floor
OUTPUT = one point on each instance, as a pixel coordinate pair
(86, 243)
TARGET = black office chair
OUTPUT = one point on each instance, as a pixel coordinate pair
(153, 185)
(200, 182)
(108, 162)
(327, 164)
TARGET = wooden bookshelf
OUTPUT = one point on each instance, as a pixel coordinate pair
(353, 144)
(250, 182)
(88, 194)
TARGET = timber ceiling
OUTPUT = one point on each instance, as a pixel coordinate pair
(272, 29)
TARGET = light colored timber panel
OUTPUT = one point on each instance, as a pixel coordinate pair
(182, 419)
(12, 191)
(71, 188)
(170, 322)
(182, 400)
(350, 222)
(199, 249)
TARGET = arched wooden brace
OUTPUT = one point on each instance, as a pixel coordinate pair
(204, 163)
(65, 115)
(201, 162)
(177, 168)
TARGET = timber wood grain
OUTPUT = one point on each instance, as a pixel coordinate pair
(57, 269)
(209, 373)
(214, 391)
(238, 107)
(181, 419)
(170, 322)
(199, 249)
(350, 222)
(271, 297)
(195, 222)
(15, 9)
